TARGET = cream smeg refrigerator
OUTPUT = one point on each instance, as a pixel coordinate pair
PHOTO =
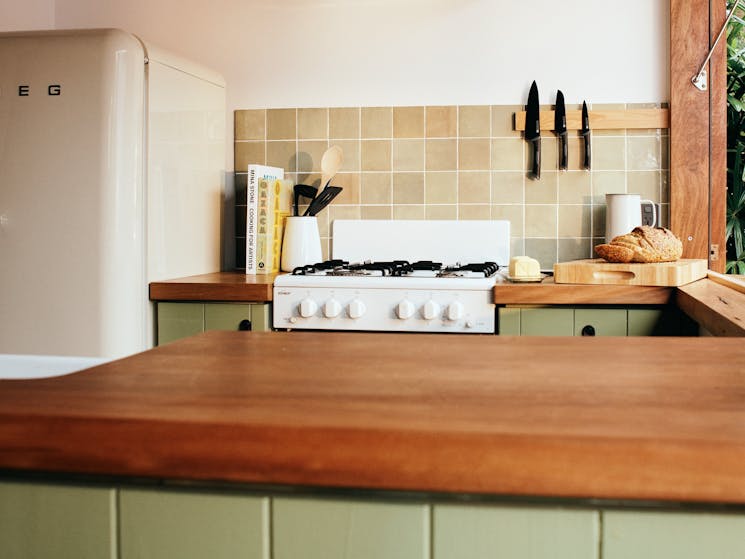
(112, 161)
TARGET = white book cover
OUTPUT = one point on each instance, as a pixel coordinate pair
(255, 173)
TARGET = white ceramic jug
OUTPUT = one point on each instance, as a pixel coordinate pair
(301, 244)
(624, 212)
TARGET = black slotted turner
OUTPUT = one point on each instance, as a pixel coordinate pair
(322, 200)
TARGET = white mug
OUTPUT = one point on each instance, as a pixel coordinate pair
(301, 244)
(624, 212)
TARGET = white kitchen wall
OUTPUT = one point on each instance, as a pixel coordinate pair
(29, 14)
(308, 53)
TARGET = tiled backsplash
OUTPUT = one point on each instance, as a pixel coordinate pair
(455, 162)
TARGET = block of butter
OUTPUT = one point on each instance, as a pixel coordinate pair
(524, 267)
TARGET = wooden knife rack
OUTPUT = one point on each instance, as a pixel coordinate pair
(604, 120)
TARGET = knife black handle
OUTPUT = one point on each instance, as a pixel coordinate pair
(536, 173)
(564, 152)
(587, 151)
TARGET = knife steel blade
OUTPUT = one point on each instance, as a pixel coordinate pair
(533, 129)
(560, 128)
(585, 132)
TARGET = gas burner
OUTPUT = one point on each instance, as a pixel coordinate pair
(394, 268)
(481, 269)
(324, 266)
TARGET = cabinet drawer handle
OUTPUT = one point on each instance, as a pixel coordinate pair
(588, 330)
(244, 325)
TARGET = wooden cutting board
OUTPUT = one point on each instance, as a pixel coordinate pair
(598, 271)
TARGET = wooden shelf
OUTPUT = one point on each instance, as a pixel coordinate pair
(604, 120)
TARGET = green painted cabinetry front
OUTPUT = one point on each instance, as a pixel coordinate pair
(580, 321)
(40, 521)
(477, 532)
(179, 320)
(192, 525)
(340, 529)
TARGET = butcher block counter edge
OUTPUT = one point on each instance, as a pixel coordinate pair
(217, 286)
(411, 412)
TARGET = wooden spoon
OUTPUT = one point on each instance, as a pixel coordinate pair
(331, 162)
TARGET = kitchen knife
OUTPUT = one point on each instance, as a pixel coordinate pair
(533, 129)
(560, 128)
(585, 132)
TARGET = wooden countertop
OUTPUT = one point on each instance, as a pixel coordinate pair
(218, 286)
(636, 418)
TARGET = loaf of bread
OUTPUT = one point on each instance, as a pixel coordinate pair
(643, 244)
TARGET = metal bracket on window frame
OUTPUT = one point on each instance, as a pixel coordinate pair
(701, 79)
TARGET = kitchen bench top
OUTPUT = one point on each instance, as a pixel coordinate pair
(217, 286)
(618, 418)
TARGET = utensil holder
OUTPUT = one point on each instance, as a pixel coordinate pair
(301, 244)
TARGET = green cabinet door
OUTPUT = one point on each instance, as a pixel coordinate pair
(644, 322)
(486, 531)
(600, 322)
(340, 529)
(163, 524)
(39, 521)
(672, 535)
(547, 322)
(227, 316)
(179, 320)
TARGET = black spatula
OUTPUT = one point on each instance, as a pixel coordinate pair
(306, 191)
(323, 200)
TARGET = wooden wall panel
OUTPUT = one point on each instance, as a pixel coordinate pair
(718, 99)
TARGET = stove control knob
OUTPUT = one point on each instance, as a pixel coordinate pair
(356, 309)
(430, 310)
(405, 309)
(308, 308)
(455, 311)
(332, 308)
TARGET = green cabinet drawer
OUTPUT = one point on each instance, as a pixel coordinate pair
(179, 320)
(600, 322)
(39, 521)
(158, 524)
(547, 322)
(476, 532)
(644, 322)
(671, 535)
(340, 529)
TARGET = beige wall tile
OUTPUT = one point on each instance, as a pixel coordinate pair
(408, 155)
(598, 221)
(574, 221)
(503, 121)
(543, 250)
(512, 213)
(642, 131)
(608, 154)
(644, 183)
(665, 215)
(408, 212)
(664, 151)
(643, 153)
(607, 182)
(280, 124)
(441, 187)
(474, 121)
(312, 124)
(576, 153)
(344, 123)
(250, 124)
(665, 185)
(574, 187)
(376, 188)
(441, 211)
(540, 221)
(441, 155)
(350, 182)
(543, 191)
(246, 153)
(474, 211)
(282, 154)
(507, 187)
(309, 155)
(549, 154)
(441, 122)
(408, 188)
(343, 212)
(574, 249)
(408, 122)
(507, 154)
(473, 187)
(307, 178)
(351, 150)
(376, 155)
(376, 212)
(517, 246)
(377, 122)
(473, 154)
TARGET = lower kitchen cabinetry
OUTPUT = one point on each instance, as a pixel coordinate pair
(179, 320)
(40, 521)
(592, 321)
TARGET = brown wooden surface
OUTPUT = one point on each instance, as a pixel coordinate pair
(598, 271)
(689, 127)
(720, 309)
(631, 418)
(718, 180)
(549, 293)
(218, 286)
(604, 120)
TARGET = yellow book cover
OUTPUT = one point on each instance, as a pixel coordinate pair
(274, 201)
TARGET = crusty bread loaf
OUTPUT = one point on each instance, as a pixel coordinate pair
(643, 244)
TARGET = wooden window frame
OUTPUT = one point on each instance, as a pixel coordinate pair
(698, 131)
